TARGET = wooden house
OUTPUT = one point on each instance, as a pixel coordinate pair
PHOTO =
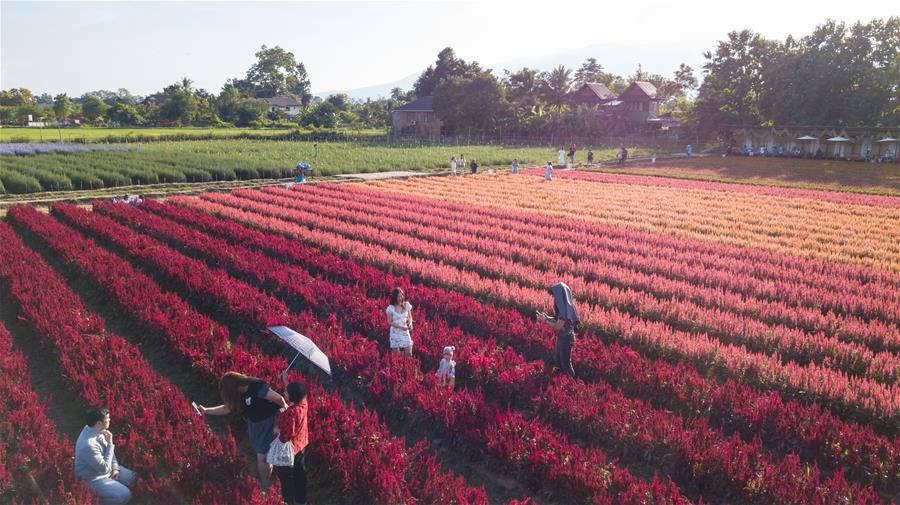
(416, 118)
(640, 103)
(591, 93)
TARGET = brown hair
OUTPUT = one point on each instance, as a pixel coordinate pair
(395, 295)
(230, 390)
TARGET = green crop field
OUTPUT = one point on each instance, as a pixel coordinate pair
(216, 160)
(89, 135)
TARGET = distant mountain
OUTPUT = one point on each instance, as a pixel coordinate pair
(618, 60)
(376, 91)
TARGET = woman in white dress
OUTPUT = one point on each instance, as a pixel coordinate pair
(399, 316)
(453, 165)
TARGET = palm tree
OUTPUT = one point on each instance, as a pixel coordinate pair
(556, 86)
(186, 84)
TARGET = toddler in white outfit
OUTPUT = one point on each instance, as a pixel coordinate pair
(447, 368)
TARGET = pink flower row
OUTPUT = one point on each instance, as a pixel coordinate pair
(578, 254)
(481, 254)
(818, 283)
(155, 435)
(460, 412)
(853, 395)
(701, 446)
(790, 426)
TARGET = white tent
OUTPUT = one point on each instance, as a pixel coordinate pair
(839, 143)
(887, 141)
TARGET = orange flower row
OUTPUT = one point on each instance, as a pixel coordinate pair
(858, 234)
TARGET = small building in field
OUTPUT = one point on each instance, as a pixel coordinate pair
(416, 118)
(287, 104)
(591, 93)
(640, 102)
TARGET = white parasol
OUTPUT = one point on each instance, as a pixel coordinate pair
(304, 346)
(883, 142)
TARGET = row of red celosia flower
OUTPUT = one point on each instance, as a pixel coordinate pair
(35, 459)
(355, 445)
(157, 431)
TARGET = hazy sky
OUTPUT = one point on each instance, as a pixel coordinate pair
(75, 47)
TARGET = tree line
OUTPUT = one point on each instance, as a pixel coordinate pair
(838, 75)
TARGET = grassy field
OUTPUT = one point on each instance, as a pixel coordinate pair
(877, 178)
(87, 134)
(217, 160)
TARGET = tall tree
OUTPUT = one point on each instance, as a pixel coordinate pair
(125, 114)
(62, 106)
(277, 72)
(93, 107)
(446, 66)
(463, 102)
(684, 77)
(180, 105)
(731, 88)
(590, 71)
(17, 97)
(555, 87)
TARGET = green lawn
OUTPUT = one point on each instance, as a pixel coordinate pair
(878, 178)
(242, 159)
(89, 134)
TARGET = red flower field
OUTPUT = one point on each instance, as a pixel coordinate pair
(738, 345)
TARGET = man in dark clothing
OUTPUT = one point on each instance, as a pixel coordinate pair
(565, 321)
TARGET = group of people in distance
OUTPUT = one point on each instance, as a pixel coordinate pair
(457, 165)
(272, 417)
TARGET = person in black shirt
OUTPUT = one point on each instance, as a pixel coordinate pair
(259, 405)
(474, 166)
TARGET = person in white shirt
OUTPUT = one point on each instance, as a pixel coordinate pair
(399, 316)
(453, 165)
(96, 463)
(562, 156)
